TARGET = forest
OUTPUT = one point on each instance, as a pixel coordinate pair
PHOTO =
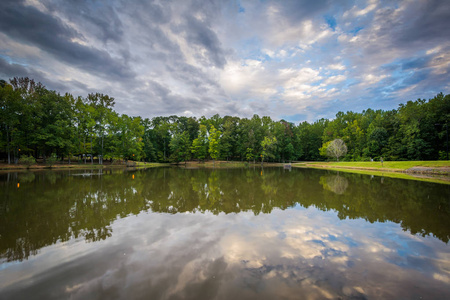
(38, 123)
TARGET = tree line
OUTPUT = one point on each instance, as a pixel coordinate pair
(41, 123)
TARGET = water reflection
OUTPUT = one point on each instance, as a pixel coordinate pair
(52, 207)
(335, 183)
(221, 234)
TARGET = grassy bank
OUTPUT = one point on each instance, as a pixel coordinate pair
(432, 171)
(388, 166)
(59, 166)
(223, 164)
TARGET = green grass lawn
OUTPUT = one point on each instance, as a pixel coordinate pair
(397, 165)
(392, 169)
(434, 178)
(150, 164)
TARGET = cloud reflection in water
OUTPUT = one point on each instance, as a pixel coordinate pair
(314, 242)
(282, 254)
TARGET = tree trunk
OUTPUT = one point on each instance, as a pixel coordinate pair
(92, 155)
(101, 161)
(84, 149)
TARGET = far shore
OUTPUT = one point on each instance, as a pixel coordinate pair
(76, 165)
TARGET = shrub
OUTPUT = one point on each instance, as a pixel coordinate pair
(50, 161)
(27, 160)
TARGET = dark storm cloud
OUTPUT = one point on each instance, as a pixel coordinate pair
(99, 17)
(297, 10)
(10, 70)
(191, 75)
(428, 21)
(147, 12)
(416, 26)
(200, 34)
(165, 101)
(29, 25)
(156, 43)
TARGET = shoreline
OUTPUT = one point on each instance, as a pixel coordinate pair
(37, 167)
(414, 170)
(437, 174)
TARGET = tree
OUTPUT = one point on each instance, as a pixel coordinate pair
(85, 123)
(249, 154)
(337, 148)
(310, 139)
(229, 137)
(180, 146)
(103, 106)
(162, 135)
(200, 144)
(377, 140)
(214, 138)
(131, 132)
(268, 146)
(149, 148)
(9, 115)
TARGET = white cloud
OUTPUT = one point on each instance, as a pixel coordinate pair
(335, 79)
(339, 67)
(370, 79)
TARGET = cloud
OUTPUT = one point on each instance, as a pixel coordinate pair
(99, 20)
(203, 37)
(49, 33)
(227, 57)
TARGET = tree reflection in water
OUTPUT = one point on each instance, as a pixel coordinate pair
(334, 183)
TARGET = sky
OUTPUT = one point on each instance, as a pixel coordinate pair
(297, 60)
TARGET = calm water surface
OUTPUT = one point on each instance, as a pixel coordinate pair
(222, 234)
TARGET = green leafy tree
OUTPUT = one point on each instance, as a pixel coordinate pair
(268, 148)
(180, 146)
(9, 112)
(130, 137)
(27, 160)
(200, 144)
(214, 139)
(103, 106)
(249, 154)
(309, 139)
(148, 148)
(229, 137)
(377, 141)
(162, 134)
(323, 149)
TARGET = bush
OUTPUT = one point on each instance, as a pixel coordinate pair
(51, 160)
(27, 160)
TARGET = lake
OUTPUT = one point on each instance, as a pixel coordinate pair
(251, 233)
